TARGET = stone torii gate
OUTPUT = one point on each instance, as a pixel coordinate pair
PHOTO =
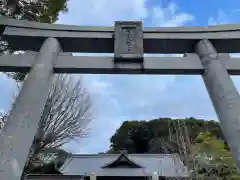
(47, 49)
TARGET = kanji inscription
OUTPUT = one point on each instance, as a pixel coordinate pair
(128, 41)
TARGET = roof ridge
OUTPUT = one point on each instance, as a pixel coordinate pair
(102, 155)
(117, 160)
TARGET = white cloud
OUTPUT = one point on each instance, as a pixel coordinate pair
(170, 16)
(134, 97)
(118, 98)
(224, 17)
(103, 12)
(97, 86)
(221, 18)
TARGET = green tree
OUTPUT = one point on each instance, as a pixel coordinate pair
(132, 136)
(162, 135)
(48, 161)
(211, 159)
(46, 11)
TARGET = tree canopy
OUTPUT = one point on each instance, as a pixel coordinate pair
(199, 143)
(48, 161)
(46, 11)
(211, 159)
(160, 135)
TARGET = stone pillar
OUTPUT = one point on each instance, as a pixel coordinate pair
(223, 93)
(22, 123)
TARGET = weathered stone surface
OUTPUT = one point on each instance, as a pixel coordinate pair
(223, 93)
(92, 39)
(17, 136)
(128, 44)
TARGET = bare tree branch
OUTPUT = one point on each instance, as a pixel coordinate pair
(65, 117)
(66, 114)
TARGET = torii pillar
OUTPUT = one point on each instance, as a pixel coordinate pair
(223, 93)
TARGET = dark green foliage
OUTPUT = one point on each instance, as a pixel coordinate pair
(200, 144)
(47, 167)
(54, 7)
(132, 136)
(43, 169)
(46, 11)
(160, 135)
(39, 10)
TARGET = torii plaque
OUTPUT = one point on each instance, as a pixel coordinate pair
(128, 44)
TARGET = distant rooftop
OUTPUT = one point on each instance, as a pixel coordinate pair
(127, 165)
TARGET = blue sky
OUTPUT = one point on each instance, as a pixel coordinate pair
(129, 97)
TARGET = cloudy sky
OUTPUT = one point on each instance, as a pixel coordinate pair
(129, 97)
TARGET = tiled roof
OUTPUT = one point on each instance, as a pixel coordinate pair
(167, 165)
